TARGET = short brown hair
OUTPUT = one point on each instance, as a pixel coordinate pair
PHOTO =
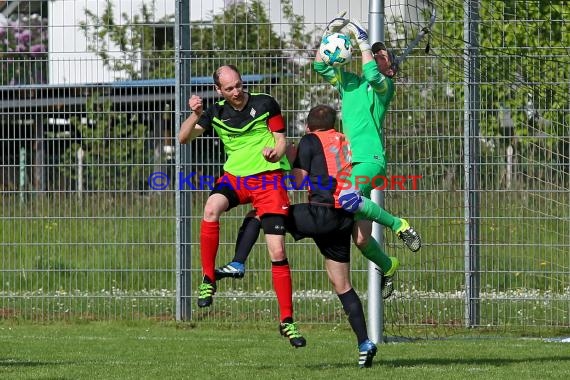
(377, 46)
(321, 117)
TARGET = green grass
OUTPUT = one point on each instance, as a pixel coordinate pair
(247, 351)
(128, 242)
(231, 306)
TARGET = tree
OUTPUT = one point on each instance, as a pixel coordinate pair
(115, 151)
(523, 70)
(139, 55)
(243, 35)
(522, 61)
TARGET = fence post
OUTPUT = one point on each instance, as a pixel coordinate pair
(375, 302)
(471, 163)
(183, 158)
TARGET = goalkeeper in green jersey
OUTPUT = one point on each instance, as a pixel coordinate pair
(365, 101)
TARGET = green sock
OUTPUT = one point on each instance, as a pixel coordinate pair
(372, 211)
(373, 252)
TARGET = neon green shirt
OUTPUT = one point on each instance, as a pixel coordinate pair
(365, 100)
(245, 133)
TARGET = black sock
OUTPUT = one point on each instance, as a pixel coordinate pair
(353, 309)
(287, 320)
(247, 236)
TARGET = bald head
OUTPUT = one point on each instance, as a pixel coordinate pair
(225, 71)
(228, 83)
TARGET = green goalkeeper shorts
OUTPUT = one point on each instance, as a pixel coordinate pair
(367, 175)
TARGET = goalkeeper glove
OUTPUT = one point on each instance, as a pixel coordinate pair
(360, 35)
(336, 24)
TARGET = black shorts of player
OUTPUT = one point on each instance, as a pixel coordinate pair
(273, 224)
(227, 191)
(329, 227)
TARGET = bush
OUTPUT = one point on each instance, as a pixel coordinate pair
(23, 50)
(115, 154)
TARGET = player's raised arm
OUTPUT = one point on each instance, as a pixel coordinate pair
(190, 129)
(375, 74)
(361, 36)
(330, 74)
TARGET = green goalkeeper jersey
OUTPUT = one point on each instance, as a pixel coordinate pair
(365, 100)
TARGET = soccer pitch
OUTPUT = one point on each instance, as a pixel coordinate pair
(168, 350)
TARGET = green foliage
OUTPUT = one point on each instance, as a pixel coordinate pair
(140, 57)
(242, 35)
(523, 62)
(521, 75)
(114, 148)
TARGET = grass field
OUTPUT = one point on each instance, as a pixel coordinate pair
(128, 242)
(145, 350)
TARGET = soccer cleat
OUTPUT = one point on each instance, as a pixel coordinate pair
(291, 331)
(233, 270)
(387, 285)
(205, 293)
(366, 352)
(410, 237)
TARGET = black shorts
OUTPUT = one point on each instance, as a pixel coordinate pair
(329, 227)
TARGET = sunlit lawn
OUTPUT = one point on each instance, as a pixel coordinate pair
(148, 350)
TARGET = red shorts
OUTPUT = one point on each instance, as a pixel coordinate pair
(265, 191)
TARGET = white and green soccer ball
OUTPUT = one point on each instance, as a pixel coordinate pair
(336, 49)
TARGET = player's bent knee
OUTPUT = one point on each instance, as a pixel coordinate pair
(342, 290)
(213, 211)
(273, 224)
(350, 200)
(341, 286)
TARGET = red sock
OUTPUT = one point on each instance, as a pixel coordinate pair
(281, 275)
(209, 242)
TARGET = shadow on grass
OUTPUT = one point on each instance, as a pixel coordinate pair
(498, 362)
(320, 366)
(401, 363)
(335, 365)
(28, 363)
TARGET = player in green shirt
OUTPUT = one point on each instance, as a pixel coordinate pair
(365, 101)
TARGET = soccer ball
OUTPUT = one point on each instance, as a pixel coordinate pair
(336, 49)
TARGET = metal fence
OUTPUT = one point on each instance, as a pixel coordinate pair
(90, 102)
